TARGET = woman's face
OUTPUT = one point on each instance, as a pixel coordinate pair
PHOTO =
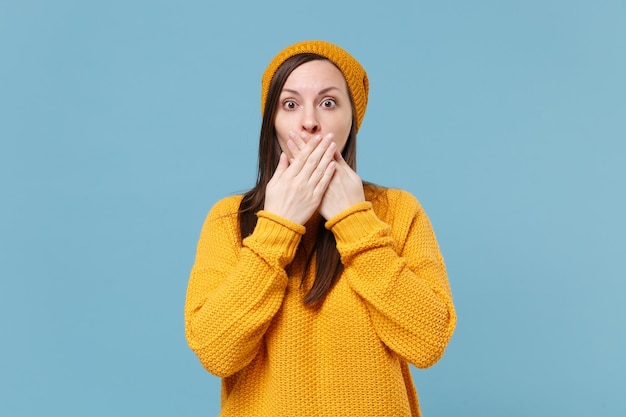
(314, 101)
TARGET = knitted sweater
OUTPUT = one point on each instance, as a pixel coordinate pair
(345, 356)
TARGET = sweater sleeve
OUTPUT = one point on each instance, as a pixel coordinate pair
(235, 287)
(400, 276)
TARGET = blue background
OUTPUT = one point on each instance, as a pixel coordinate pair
(122, 122)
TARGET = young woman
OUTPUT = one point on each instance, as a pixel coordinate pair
(312, 293)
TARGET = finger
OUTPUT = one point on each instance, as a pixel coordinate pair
(293, 148)
(342, 165)
(326, 159)
(296, 142)
(283, 164)
(324, 182)
(323, 146)
(304, 138)
(320, 146)
(299, 140)
(339, 157)
(309, 156)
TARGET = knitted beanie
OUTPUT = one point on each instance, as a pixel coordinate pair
(353, 72)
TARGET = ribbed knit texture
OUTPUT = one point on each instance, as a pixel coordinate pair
(346, 356)
(353, 72)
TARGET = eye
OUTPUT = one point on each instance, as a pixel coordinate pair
(329, 103)
(289, 104)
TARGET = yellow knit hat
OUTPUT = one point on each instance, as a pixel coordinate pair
(353, 72)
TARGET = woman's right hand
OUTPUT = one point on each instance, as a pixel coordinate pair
(298, 186)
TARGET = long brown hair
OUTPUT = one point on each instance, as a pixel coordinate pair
(328, 264)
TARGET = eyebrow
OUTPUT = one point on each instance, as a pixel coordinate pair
(321, 92)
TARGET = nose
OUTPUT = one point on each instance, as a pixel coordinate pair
(310, 123)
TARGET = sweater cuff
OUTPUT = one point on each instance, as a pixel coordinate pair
(276, 238)
(354, 223)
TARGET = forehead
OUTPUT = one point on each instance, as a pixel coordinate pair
(316, 74)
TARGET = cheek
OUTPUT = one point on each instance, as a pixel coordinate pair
(279, 130)
(282, 142)
(347, 127)
(346, 121)
(345, 132)
(282, 126)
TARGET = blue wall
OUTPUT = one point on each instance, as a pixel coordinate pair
(122, 122)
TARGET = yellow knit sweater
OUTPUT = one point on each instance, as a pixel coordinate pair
(347, 356)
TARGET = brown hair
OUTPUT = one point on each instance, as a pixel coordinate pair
(328, 264)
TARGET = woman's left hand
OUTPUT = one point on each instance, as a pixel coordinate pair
(345, 188)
